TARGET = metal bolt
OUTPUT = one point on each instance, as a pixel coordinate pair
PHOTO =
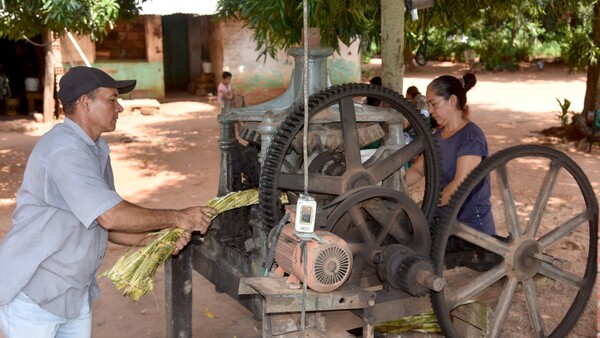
(377, 258)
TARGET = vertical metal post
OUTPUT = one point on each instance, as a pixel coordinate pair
(368, 323)
(395, 138)
(178, 294)
(226, 143)
(267, 331)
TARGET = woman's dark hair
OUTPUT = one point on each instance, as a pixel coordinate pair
(376, 81)
(448, 85)
(412, 91)
(226, 75)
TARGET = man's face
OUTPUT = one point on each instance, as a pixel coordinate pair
(104, 110)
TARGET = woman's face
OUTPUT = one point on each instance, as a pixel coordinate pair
(439, 108)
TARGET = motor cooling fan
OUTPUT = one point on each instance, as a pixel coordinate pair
(328, 259)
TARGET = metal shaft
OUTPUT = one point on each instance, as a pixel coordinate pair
(430, 281)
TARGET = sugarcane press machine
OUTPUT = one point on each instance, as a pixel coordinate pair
(381, 250)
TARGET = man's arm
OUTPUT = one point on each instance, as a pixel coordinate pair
(130, 218)
(130, 239)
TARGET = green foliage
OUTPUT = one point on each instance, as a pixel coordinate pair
(27, 18)
(579, 50)
(502, 33)
(563, 116)
(277, 24)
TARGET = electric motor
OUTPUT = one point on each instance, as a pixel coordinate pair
(328, 258)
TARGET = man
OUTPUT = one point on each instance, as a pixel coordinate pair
(67, 209)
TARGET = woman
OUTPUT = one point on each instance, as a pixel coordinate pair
(462, 145)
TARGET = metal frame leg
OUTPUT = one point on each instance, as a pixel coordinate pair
(178, 294)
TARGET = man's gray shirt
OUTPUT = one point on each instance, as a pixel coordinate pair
(55, 245)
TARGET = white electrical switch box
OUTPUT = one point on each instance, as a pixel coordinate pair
(306, 212)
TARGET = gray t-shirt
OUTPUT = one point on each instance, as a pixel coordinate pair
(55, 245)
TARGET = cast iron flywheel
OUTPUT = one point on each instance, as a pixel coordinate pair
(542, 262)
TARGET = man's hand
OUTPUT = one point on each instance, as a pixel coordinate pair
(182, 242)
(196, 219)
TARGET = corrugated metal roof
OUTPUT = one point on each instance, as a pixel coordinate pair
(168, 7)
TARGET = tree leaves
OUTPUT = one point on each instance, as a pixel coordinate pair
(27, 18)
(277, 24)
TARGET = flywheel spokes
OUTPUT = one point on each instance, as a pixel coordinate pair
(536, 275)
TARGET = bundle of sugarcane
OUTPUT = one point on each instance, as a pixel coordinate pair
(135, 273)
(423, 323)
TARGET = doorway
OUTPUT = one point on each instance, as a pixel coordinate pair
(19, 60)
(176, 52)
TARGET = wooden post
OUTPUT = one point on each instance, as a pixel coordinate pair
(50, 61)
(178, 294)
(392, 43)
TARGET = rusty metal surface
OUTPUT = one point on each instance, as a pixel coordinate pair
(279, 298)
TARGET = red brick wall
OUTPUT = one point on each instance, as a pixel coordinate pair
(127, 41)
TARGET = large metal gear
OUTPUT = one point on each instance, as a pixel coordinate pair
(364, 211)
(387, 162)
(526, 273)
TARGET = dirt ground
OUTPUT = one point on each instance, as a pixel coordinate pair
(171, 160)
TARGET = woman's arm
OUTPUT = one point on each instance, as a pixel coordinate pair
(464, 165)
(416, 172)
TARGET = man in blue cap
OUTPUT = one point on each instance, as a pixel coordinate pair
(67, 209)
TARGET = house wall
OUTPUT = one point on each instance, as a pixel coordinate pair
(344, 66)
(71, 57)
(199, 36)
(226, 44)
(149, 73)
(240, 58)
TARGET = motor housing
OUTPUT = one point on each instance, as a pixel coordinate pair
(328, 258)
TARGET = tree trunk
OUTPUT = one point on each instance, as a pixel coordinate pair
(392, 43)
(592, 92)
(49, 102)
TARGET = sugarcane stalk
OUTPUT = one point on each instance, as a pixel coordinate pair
(424, 323)
(135, 273)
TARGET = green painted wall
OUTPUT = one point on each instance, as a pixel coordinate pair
(340, 70)
(343, 71)
(263, 79)
(149, 76)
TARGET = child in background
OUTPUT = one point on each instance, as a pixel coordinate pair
(371, 101)
(418, 100)
(225, 91)
(413, 95)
